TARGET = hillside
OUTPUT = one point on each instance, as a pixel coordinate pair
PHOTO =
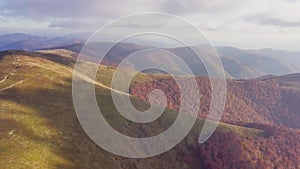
(39, 128)
(270, 100)
(268, 103)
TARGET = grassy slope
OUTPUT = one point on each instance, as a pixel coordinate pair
(39, 128)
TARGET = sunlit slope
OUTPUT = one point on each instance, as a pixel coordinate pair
(39, 128)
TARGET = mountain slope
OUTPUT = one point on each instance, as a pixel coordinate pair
(268, 100)
(39, 128)
(268, 103)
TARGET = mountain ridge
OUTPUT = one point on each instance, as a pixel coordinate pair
(243, 64)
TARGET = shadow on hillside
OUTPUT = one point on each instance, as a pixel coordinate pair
(72, 144)
(55, 107)
(57, 59)
(4, 53)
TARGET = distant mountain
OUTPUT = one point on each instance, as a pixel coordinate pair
(238, 63)
(290, 58)
(253, 63)
(20, 41)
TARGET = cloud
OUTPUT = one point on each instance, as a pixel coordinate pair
(75, 23)
(218, 16)
(281, 13)
(209, 14)
(72, 9)
(211, 7)
(265, 20)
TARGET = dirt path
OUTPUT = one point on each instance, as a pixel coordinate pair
(69, 70)
(14, 84)
(83, 77)
(16, 64)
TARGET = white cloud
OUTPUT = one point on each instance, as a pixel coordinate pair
(222, 16)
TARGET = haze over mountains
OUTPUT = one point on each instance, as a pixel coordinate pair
(20, 41)
(238, 63)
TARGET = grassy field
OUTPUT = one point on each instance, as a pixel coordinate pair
(39, 128)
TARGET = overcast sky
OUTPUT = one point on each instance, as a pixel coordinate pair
(244, 24)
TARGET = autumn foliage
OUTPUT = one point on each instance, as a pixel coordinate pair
(267, 105)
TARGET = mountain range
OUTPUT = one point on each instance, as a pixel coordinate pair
(237, 63)
(20, 41)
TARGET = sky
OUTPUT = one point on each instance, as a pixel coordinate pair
(243, 24)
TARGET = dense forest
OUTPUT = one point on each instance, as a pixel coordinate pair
(268, 105)
(247, 101)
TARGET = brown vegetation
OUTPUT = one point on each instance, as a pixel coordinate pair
(248, 101)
